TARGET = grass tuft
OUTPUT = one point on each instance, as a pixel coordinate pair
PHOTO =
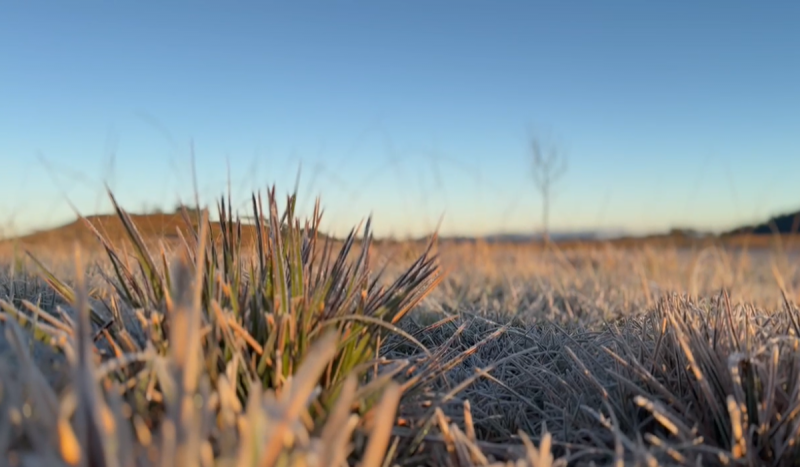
(275, 341)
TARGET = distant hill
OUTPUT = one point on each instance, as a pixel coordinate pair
(581, 235)
(150, 226)
(783, 224)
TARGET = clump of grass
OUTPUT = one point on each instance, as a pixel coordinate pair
(189, 347)
(689, 382)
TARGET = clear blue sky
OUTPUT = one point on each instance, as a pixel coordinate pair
(671, 113)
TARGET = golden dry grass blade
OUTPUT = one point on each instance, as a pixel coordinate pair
(379, 436)
(95, 429)
(293, 399)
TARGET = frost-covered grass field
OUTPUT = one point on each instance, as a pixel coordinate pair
(208, 351)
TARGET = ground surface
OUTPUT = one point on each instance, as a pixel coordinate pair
(621, 354)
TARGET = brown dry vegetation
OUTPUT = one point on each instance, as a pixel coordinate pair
(638, 353)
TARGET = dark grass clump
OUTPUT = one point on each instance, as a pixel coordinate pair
(690, 382)
(207, 354)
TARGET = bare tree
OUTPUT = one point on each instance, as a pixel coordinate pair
(549, 165)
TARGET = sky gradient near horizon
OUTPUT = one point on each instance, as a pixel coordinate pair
(672, 114)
